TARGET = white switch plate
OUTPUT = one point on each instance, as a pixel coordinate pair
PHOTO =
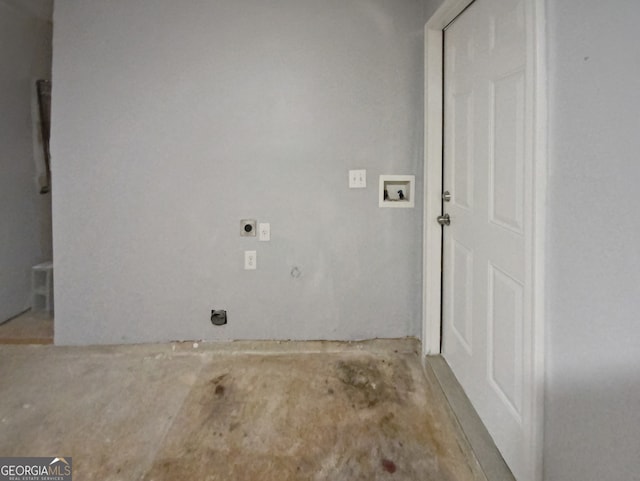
(264, 231)
(357, 179)
(250, 260)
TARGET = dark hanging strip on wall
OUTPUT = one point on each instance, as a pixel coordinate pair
(44, 102)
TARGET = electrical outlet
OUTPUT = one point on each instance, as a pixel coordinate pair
(250, 260)
(357, 179)
(248, 228)
(264, 231)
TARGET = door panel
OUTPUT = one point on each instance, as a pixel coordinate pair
(485, 283)
(504, 327)
(462, 282)
(506, 158)
(462, 168)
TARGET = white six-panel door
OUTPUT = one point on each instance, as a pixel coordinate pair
(485, 279)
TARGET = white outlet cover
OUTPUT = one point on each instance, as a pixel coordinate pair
(264, 231)
(250, 260)
(357, 179)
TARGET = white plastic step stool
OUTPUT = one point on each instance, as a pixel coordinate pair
(42, 287)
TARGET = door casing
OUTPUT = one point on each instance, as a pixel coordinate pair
(432, 235)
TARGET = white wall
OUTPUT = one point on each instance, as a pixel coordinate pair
(25, 215)
(593, 320)
(174, 120)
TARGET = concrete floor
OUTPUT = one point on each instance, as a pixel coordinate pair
(237, 411)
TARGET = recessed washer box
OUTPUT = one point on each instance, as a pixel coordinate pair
(397, 191)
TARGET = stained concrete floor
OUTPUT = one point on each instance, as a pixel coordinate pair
(238, 411)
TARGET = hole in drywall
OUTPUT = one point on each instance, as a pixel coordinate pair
(218, 317)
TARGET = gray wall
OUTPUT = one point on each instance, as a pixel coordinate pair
(25, 215)
(174, 120)
(593, 315)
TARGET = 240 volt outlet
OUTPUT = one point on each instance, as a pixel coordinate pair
(218, 317)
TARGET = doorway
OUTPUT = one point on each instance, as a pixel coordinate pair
(25, 195)
(484, 174)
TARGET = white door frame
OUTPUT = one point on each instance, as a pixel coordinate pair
(432, 235)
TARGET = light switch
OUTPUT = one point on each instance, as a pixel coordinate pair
(357, 179)
(264, 231)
